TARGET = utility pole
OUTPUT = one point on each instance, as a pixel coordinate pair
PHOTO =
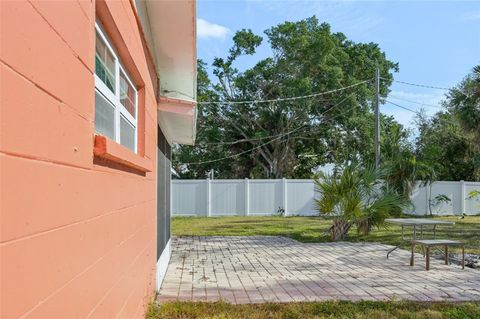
(377, 119)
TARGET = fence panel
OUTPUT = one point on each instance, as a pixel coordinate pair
(419, 200)
(300, 197)
(453, 191)
(265, 196)
(472, 204)
(227, 197)
(296, 197)
(189, 197)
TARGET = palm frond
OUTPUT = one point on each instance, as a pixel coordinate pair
(358, 195)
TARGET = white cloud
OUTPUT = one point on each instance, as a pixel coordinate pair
(206, 29)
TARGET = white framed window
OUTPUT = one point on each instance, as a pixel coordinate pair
(116, 98)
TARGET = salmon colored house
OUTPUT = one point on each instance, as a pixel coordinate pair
(93, 94)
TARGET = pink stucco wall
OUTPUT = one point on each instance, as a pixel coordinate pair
(77, 232)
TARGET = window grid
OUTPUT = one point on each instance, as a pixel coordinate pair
(104, 53)
(115, 98)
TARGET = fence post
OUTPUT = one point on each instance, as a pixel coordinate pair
(209, 197)
(462, 195)
(247, 197)
(427, 198)
(284, 189)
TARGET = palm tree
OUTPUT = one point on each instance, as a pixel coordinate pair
(403, 173)
(357, 196)
(464, 101)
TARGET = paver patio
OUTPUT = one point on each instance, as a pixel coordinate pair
(278, 269)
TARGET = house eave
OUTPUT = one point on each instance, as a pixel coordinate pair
(171, 33)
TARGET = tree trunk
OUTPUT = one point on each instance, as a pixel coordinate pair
(364, 226)
(339, 229)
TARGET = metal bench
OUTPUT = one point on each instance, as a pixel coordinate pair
(427, 243)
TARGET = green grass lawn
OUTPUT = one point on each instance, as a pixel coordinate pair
(314, 229)
(318, 310)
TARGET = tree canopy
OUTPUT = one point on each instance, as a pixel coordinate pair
(248, 128)
(450, 141)
(289, 138)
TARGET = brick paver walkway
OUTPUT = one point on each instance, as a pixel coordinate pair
(278, 269)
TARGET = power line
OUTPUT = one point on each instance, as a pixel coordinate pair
(244, 152)
(279, 136)
(243, 140)
(419, 85)
(402, 107)
(261, 145)
(287, 98)
(418, 113)
(274, 100)
(416, 102)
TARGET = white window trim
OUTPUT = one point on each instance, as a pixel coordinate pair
(114, 98)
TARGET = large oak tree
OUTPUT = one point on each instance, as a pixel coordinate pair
(289, 138)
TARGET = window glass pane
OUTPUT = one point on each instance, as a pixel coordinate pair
(127, 134)
(104, 116)
(104, 63)
(127, 94)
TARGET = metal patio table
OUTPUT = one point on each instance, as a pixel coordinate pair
(416, 224)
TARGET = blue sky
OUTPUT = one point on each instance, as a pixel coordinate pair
(435, 42)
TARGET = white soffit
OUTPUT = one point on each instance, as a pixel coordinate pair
(172, 38)
(177, 118)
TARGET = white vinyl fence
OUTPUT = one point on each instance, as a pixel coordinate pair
(457, 192)
(255, 197)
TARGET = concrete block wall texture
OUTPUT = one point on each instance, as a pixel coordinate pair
(77, 233)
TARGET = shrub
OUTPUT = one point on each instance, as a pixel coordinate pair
(357, 196)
